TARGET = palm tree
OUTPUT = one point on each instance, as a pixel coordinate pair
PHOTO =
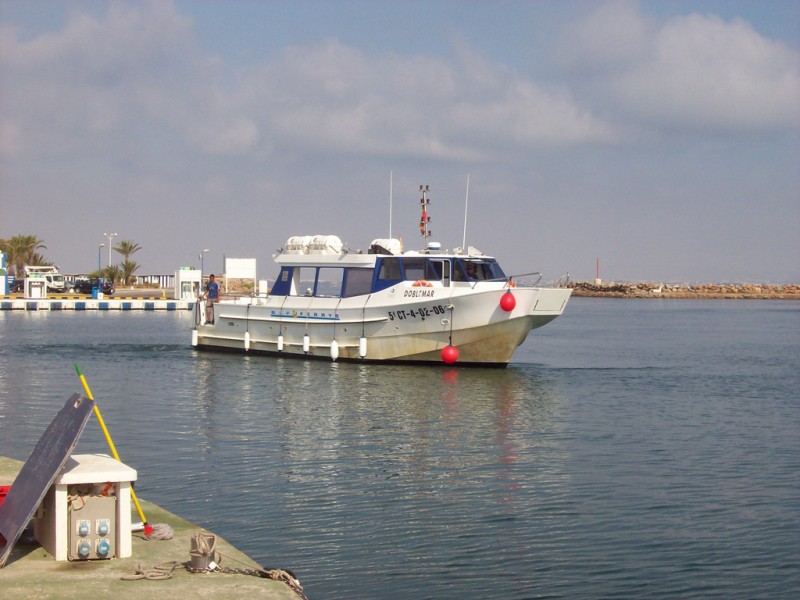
(128, 268)
(112, 273)
(126, 248)
(23, 250)
(38, 259)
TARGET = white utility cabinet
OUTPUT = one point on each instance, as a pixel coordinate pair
(86, 513)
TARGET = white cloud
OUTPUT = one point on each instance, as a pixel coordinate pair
(334, 95)
(95, 78)
(613, 37)
(10, 138)
(708, 72)
(137, 76)
(694, 71)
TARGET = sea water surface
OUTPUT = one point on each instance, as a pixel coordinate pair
(634, 449)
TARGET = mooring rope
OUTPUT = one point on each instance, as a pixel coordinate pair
(204, 552)
(204, 546)
(157, 573)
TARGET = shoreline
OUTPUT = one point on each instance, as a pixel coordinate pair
(731, 291)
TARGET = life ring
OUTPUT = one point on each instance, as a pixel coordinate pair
(422, 283)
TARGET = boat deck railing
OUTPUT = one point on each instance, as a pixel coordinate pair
(510, 279)
(561, 282)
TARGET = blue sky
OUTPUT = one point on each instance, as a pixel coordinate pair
(659, 137)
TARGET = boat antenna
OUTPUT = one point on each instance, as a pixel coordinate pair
(390, 204)
(425, 218)
(466, 207)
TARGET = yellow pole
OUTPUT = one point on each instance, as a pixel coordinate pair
(110, 441)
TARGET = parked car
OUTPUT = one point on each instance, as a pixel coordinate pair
(84, 285)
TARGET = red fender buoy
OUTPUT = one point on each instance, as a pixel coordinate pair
(508, 302)
(449, 355)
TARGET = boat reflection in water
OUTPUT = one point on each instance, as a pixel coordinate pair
(409, 433)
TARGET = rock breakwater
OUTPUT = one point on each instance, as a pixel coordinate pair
(736, 291)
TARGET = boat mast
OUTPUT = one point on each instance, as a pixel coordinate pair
(425, 218)
(466, 208)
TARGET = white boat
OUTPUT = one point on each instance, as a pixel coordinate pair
(384, 305)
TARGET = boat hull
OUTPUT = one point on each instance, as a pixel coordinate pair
(402, 324)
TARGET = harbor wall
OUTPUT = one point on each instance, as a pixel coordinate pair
(81, 304)
(733, 291)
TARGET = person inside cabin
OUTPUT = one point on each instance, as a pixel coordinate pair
(212, 296)
(471, 272)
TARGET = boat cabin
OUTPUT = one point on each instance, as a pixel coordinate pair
(322, 268)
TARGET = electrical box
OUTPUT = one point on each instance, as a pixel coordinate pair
(91, 526)
(86, 513)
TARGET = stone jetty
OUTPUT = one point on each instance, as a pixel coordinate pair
(734, 291)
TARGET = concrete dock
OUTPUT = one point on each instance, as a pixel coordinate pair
(80, 303)
(32, 573)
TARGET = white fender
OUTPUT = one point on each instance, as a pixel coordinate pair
(306, 343)
(194, 337)
(334, 350)
(246, 341)
(280, 343)
(362, 346)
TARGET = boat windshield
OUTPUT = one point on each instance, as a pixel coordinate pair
(478, 269)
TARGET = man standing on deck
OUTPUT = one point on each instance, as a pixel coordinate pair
(212, 296)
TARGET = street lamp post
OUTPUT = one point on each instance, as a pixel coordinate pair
(110, 237)
(99, 267)
(202, 259)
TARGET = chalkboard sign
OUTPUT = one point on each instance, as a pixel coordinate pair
(40, 470)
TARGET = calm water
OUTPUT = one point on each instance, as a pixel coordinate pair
(634, 449)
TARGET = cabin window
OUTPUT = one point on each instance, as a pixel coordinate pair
(477, 270)
(494, 270)
(414, 268)
(422, 268)
(329, 282)
(357, 282)
(434, 270)
(388, 273)
(304, 281)
(283, 284)
(390, 270)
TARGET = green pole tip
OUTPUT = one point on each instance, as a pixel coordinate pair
(78, 369)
